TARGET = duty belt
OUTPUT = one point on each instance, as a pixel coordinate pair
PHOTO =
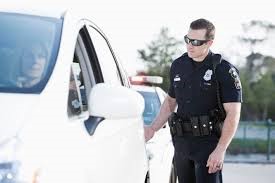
(197, 125)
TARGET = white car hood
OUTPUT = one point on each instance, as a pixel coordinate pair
(14, 110)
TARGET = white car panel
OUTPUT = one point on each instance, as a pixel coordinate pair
(160, 148)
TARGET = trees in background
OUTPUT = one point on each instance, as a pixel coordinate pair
(159, 55)
(258, 72)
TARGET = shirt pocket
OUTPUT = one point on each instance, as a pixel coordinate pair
(178, 87)
(207, 86)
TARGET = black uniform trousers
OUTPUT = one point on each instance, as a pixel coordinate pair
(191, 155)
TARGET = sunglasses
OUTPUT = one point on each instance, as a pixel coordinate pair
(194, 42)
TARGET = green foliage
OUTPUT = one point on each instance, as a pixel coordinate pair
(159, 55)
(258, 97)
(239, 146)
(257, 75)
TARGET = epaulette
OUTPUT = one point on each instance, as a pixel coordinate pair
(216, 60)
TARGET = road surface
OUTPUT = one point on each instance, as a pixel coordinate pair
(248, 173)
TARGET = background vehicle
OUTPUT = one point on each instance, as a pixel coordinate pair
(79, 121)
(160, 148)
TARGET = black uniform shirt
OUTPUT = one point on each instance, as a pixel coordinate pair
(193, 85)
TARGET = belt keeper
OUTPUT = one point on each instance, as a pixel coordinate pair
(195, 126)
(205, 129)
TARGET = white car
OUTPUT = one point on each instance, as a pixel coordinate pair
(67, 114)
(160, 148)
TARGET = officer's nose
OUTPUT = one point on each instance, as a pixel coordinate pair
(189, 45)
(190, 48)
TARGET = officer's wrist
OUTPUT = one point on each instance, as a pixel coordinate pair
(153, 128)
(221, 147)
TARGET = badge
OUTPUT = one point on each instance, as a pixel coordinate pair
(207, 75)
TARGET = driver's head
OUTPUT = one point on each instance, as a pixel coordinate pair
(33, 60)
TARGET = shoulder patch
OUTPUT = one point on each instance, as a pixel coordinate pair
(232, 71)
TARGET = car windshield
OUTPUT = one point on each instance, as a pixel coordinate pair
(152, 106)
(28, 51)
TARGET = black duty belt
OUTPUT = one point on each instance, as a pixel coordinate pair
(198, 126)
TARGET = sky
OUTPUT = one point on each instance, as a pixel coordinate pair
(132, 24)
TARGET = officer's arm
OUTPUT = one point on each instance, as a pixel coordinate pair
(166, 109)
(233, 110)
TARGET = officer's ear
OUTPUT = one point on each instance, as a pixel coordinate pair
(209, 43)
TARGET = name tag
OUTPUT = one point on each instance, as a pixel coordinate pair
(207, 84)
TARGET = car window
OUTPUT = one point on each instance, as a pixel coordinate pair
(152, 106)
(74, 99)
(80, 81)
(28, 51)
(106, 59)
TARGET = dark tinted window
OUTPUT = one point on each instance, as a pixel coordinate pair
(28, 51)
(152, 106)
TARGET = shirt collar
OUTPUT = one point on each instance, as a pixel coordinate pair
(207, 60)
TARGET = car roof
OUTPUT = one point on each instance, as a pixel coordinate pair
(144, 88)
(28, 9)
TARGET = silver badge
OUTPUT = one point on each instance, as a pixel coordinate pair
(207, 75)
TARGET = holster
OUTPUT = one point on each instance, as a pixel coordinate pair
(218, 128)
(179, 126)
(218, 118)
(172, 123)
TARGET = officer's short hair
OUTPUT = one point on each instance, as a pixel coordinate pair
(204, 24)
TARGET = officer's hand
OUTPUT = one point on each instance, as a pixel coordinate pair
(148, 132)
(215, 160)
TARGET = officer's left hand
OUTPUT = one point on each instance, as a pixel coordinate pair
(215, 160)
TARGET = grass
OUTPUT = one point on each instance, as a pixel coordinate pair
(241, 146)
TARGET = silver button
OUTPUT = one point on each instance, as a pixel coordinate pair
(204, 125)
(195, 126)
(210, 122)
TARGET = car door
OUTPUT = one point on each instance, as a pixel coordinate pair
(115, 151)
(129, 132)
(161, 149)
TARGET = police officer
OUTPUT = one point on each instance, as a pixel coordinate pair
(199, 151)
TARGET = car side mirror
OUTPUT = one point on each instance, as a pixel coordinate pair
(112, 102)
(115, 102)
